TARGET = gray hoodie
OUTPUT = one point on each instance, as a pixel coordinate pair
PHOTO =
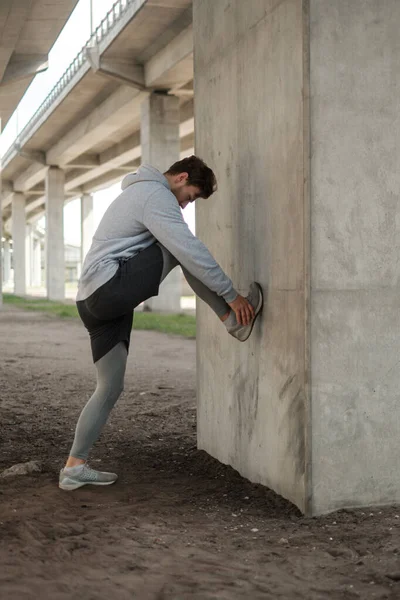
(145, 212)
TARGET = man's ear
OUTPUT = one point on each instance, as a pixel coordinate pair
(183, 177)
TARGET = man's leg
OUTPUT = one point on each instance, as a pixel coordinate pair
(110, 384)
(218, 304)
(215, 302)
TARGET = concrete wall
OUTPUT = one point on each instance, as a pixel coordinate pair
(355, 107)
(249, 118)
(297, 109)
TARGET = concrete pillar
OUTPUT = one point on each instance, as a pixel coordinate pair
(36, 263)
(6, 262)
(19, 243)
(160, 147)
(28, 255)
(309, 405)
(55, 262)
(86, 224)
(1, 255)
(1, 237)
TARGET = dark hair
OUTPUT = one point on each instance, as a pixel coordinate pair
(199, 174)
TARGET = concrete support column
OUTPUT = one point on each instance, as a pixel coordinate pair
(1, 255)
(86, 224)
(309, 405)
(19, 243)
(160, 147)
(36, 263)
(6, 262)
(55, 261)
(28, 255)
(1, 237)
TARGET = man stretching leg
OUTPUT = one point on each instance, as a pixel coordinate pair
(141, 237)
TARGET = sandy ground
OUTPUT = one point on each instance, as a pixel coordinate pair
(177, 524)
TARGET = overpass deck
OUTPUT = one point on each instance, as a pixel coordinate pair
(89, 125)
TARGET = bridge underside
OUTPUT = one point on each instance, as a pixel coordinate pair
(90, 129)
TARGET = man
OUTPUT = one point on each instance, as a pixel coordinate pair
(141, 237)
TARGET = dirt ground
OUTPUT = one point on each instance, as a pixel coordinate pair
(177, 524)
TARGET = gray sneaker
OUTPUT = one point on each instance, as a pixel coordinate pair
(255, 297)
(85, 476)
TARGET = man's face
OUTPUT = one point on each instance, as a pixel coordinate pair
(183, 192)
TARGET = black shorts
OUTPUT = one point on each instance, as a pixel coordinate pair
(108, 313)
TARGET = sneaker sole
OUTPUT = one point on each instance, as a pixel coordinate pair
(69, 487)
(257, 312)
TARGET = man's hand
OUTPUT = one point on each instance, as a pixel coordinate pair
(243, 310)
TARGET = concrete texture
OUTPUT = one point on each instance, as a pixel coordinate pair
(249, 81)
(355, 209)
(160, 148)
(19, 243)
(309, 406)
(55, 262)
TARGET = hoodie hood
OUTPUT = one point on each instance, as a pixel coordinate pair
(144, 173)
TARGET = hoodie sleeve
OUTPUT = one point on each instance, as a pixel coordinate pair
(162, 216)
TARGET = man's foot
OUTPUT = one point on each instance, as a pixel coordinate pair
(75, 477)
(242, 332)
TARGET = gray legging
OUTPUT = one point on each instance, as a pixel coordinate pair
(111, 370)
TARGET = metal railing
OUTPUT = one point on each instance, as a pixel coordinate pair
(112, 17)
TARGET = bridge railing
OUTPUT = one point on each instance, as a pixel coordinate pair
(110, 20)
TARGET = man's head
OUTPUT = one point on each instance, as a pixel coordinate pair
(190, 179)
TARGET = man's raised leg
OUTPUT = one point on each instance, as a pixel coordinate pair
(217, 303)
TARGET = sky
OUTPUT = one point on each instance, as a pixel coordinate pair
(74, 35)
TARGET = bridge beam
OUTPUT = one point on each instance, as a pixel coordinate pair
(121, 71)
(173, 65)
(22, 66)
(121, 108)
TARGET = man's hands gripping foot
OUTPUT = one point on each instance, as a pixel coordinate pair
(244, 313)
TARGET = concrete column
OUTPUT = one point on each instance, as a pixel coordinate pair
(1, 237)
(28, 255)
(6, 262)
(86, 224)
(160, 147)
(55, 262)
(309, 405)
(19, 243)
(1, 255)
(36, 263)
